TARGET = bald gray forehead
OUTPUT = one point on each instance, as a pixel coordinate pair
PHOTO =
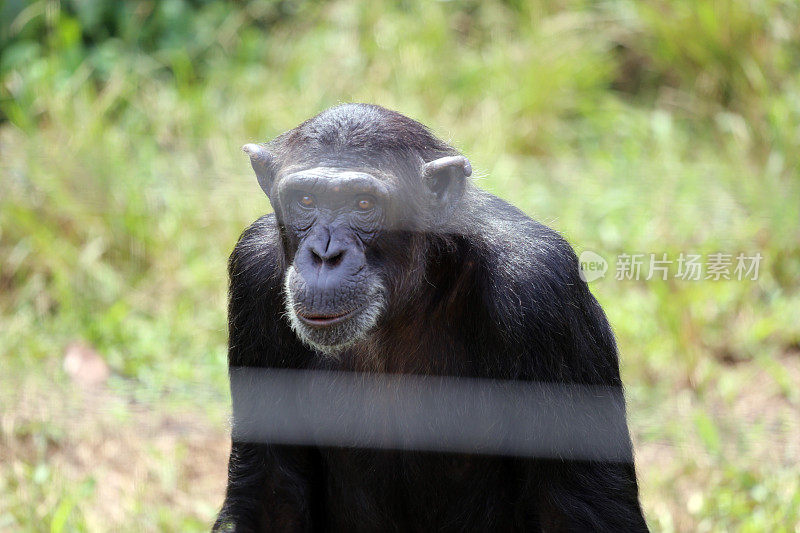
(334, 180)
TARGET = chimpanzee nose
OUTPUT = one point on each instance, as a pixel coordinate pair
(329, 254)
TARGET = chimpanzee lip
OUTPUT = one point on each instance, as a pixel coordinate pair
(325, 319)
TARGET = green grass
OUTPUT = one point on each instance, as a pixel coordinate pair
(657, 127)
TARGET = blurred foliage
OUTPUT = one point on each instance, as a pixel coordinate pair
(632, 127)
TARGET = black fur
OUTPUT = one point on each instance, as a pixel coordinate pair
(486, 293)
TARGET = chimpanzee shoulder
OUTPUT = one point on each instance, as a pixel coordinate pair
(255, 300)
(257, 257)
(521, 256)
(536, 297)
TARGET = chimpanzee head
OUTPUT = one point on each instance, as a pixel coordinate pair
(357, 192)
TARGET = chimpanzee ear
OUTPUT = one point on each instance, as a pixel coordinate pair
(446, 178)
(262, 163)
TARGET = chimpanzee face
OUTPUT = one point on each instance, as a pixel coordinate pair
(349, 237)
(333, 220)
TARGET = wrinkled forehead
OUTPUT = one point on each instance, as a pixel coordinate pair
(323, 180)
(332, 185)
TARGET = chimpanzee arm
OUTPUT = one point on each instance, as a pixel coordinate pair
(549, 316)
(269, 486)
(597, 494)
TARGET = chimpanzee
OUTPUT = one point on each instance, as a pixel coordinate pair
(382, 257)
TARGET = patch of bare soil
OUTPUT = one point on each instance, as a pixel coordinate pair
(139, 461)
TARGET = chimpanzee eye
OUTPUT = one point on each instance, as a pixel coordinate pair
(365, 203)
(306, 200)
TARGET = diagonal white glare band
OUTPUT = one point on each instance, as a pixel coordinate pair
(429, 413)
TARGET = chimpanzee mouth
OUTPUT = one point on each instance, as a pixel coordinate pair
(324, 320)
(331, 331)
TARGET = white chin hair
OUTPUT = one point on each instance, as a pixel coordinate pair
(332, 340)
